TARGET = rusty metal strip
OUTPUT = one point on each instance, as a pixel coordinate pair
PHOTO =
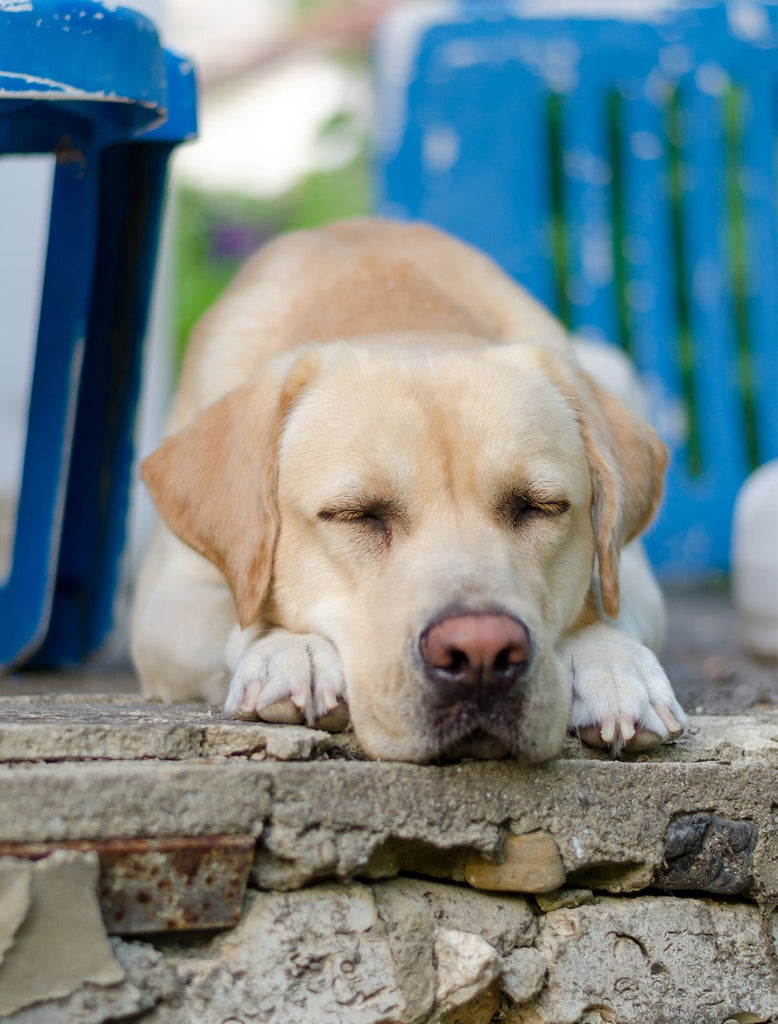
(160, 885)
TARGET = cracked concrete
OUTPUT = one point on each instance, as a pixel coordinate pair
(416, 952)
(320, 812)
(333, 929)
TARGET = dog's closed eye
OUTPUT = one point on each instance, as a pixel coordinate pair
(518, 507)
(367, 511)
(359, 517)
(368, 514)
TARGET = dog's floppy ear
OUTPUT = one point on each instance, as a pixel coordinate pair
(627, 463)
(214, 482)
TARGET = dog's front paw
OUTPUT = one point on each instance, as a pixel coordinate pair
(621, 697)
(285, 677)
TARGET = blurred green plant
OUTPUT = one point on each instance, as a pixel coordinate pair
(215, 232)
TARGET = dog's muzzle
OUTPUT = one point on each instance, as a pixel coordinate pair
(476, 664)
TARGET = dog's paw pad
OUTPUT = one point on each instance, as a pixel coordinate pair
(286, 677)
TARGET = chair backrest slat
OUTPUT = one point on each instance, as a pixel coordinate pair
(758, 173)
(588, 211)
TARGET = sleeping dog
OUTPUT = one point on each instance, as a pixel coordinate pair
(391, 491)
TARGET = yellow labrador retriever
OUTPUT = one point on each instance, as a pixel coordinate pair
(390, 487)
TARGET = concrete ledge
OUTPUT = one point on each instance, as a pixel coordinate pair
(698, 814)
(695, 820)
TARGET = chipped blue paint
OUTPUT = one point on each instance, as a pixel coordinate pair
(92, 85)
(483, 74)
(90, 53)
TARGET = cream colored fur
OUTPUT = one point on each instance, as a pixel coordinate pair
(359, 418)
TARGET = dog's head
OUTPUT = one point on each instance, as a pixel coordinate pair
(435, 516)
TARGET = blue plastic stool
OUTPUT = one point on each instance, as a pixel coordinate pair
(92, 85)
(624, 171)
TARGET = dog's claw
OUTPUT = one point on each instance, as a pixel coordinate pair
(614, 731)
(248, 706)
(622, 733)
(669, 721)
(608, 729)
(626, 726)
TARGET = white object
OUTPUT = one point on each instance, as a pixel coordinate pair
(755, 560)
(25, 203)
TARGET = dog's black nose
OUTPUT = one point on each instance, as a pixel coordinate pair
(476, 651)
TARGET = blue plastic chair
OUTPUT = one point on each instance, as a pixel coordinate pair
(623, 169)
(91, 84)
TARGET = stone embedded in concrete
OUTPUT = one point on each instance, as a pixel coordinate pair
(562, 898)
(523, 975)
(710, 854)
(409, 923)
(608, 819)
(505, 923)
(528, 863)
(414, 952)
(467, 965)
(61, 945)
(413, 914)
(661, 959)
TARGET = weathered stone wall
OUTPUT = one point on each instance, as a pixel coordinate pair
(585, 890)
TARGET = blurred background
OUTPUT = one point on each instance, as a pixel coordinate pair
(284, 113)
